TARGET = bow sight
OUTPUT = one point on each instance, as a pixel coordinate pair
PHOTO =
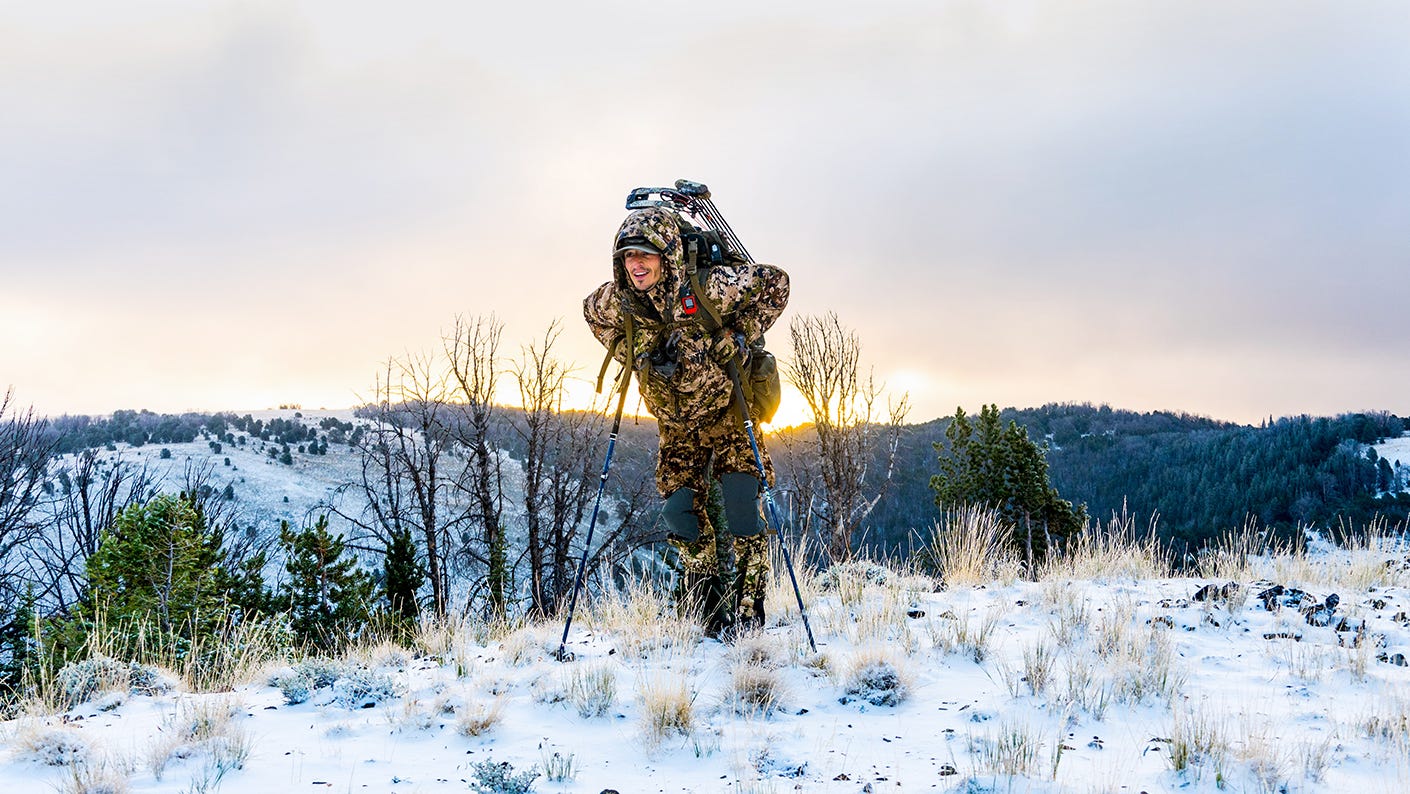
(694, 198)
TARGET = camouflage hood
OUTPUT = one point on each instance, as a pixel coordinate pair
(661, 228)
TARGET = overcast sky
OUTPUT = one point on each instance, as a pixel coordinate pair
(1193, 206)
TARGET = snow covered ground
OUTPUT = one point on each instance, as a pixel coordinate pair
(1064, 685)
(1395, 450)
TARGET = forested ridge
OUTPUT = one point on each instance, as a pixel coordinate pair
(1199, 477)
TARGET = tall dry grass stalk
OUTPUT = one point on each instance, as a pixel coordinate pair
(1242, 554)
(778, 592)
(970, 547)
(238, 654)
(642, 621)
(1114, 551)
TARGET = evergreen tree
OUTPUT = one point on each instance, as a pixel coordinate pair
(402, 576)
(17, 643)
(1001, 468)
(159, 561)
(327, 594)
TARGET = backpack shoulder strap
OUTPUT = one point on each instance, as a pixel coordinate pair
(628, 342)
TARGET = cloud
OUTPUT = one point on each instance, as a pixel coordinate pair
(1013, 199)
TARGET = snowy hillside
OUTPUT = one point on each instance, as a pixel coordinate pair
(264, 490)
(1098, 677)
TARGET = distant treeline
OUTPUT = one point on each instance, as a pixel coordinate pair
(1200, 477)
(138, 428)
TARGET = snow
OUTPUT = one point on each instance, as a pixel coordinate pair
(1395, 450)
(1298, 712)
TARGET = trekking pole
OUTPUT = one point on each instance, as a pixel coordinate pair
(562, 655)
(733, 369)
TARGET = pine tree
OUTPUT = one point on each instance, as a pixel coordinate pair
(327, 594)
(17, 643)
(1002, 469)
(159, 561)
(402, 576)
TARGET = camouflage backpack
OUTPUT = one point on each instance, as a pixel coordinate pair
(758, 377)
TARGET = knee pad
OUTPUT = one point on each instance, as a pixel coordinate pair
(741, 498)
(679, 515)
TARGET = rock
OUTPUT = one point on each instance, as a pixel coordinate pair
(1214, 592)
(1162, 620)
(1269, 597)
(1321, 614)
(915, 613)
(948, 769)
(1282, 635)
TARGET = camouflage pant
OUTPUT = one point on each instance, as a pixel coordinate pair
(686, 456)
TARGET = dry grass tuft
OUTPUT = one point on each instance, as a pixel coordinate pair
(755, 690)
(591, 688)
(963, 636)
(480, 718)
(641, 621)
(1110, 552)
(667, 709)
(970, 547)
(200, 727)
(1198, 744)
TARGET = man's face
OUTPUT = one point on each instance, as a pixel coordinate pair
(642, 268)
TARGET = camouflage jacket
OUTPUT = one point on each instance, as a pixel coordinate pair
(679, 380)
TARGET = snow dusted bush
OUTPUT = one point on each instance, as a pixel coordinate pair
(353, 686)
(360, 688)
(295, 688)
(876, 678)
(499, 778)
(79, 681)
(321, 672)
(52, 746)
(298, 682)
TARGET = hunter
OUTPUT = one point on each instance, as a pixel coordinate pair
(682, 370)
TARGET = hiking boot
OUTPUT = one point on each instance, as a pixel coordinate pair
(751, 617)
